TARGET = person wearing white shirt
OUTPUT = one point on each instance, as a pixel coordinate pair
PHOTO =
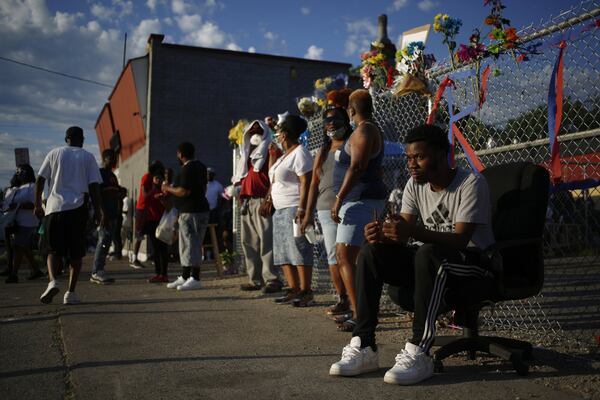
(26, 223)
(73, 178)
(290, 178)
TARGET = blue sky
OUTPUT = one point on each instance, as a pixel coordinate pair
(85, 39)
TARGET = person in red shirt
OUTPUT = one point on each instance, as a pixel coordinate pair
(256, 229)
(155, 202)
(140, 210)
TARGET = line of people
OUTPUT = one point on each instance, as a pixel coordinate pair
(450, 253)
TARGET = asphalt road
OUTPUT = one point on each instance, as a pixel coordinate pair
(135, 340)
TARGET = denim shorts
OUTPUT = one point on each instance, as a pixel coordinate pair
(192, 227)
(355, 215)
(288, 249)
(329, 228)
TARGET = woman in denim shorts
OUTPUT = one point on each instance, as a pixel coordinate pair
(360, 191)
(322, 197)
(290, 178)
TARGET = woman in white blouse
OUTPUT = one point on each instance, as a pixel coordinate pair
(290, 178)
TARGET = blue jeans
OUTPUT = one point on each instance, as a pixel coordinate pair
(105, 235)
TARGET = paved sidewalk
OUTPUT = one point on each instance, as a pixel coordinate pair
(135, 340)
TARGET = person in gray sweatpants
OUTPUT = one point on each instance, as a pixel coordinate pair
(256, 229)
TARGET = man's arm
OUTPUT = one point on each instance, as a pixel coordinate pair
(94, 189)
(176, 191)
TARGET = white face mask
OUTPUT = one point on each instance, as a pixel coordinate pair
(337, 134)
(255, 140)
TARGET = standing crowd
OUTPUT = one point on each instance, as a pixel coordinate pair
(284, 197)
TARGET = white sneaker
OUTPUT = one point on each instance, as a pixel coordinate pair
(412, 366)
(176, 283)
(71, 298)
(101, 278)
(190, 284)
(355, 361)
(50, 292)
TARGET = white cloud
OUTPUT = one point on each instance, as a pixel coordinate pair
(397, 5)
(427, 5)
(208, 35)
(251, 49)
(233, 46)
(360, 35)
(36, 107)
(189, 23)
(271, 36)
(179, 6)
(305, 10)
(101, 12)
(314, 53)
(168, 21)
(212, 5)
(151, 4)
(141, 33)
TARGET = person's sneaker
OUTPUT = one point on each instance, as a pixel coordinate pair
(305, 298)
(340, 308)
(12, 279)
(249, 287)
(71, 298)
(272, 287)
(355, 361)
(50, 292)
(101, 278)
(156, 279)
(176, 283)
(35, 274)
(136, 264)
(413, 365)
(287, 298)
(190, 284)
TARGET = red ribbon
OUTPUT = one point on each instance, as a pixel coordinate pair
(555, 103)
(469, 152)
(484, 80)
(438, 96)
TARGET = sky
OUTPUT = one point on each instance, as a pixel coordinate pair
(84, 39)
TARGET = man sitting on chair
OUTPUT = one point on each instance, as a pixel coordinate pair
(445, 258)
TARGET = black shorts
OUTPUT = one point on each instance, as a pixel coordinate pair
(64, 233)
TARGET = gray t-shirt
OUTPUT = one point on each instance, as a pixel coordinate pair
(466, 199)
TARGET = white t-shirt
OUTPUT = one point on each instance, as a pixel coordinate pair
(285, 185)
(213, 190)
(466, 199)
(69, 171)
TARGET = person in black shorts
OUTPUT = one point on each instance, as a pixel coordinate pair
(73, 178)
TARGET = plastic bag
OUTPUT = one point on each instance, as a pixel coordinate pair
(165, 231)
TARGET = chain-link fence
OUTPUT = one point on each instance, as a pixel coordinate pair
(512, 125)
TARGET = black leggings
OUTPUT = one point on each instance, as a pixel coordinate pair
(423, 279)
(161, 249)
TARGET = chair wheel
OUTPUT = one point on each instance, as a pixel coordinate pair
(438, 367)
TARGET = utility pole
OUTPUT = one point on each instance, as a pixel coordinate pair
(124, 50)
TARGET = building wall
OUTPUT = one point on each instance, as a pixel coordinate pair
(197, 93)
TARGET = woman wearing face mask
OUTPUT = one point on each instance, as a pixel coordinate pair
(322, 196)
(26, 223)
(290, 178)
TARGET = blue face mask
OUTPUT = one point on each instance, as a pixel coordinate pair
(352, 124)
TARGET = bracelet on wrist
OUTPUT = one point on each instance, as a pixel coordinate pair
(301, 209)
(337, 196)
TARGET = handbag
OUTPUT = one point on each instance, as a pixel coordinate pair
(266, 208)
(165, 231)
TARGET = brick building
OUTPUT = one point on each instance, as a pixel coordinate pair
(181, 93)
